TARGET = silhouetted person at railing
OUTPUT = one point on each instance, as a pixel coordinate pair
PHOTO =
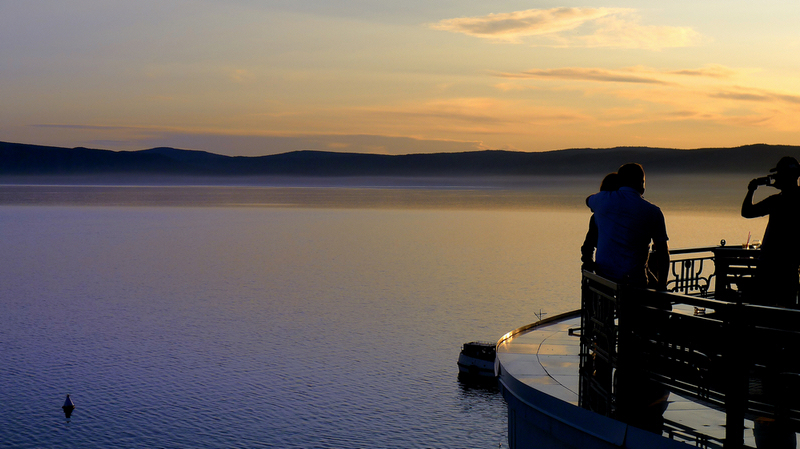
(610, 183)
(777, 272)
(776, 280)
(627, 224)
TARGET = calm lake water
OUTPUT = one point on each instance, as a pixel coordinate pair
(255, 317)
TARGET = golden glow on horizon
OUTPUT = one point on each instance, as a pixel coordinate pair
(265, 77)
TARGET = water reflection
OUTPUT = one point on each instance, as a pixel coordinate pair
(68, 407)
(673, 192)
(478, 385)
(482, 402)
(259, 196)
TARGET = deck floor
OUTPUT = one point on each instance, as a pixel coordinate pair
(547, 359)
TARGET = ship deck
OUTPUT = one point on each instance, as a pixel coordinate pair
(546, 359)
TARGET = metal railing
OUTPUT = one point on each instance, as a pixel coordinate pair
(692, 271)
(726, 354)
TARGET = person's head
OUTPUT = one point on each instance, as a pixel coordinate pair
(610, 182)
(632, 175)
(787, 170)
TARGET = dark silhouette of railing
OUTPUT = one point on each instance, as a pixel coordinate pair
(692, 271)
(729, 355)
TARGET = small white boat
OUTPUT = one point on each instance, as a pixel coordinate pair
(477, 359)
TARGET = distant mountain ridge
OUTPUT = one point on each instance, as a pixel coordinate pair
(33, 160)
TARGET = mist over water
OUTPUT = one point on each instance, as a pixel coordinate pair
(285, 316)
(671, 192)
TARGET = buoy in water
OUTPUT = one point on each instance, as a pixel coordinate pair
(68, 406)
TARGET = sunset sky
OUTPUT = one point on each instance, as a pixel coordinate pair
(249, 77)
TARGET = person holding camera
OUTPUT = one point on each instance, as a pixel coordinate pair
(777, 272)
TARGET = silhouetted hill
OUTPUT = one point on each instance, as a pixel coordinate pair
(25, 160)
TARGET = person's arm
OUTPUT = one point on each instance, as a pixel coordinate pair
(661, 259)
(750, 210)
(589, 244)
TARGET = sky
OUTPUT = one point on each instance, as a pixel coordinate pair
(249, 78)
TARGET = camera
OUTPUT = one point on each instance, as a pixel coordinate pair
(766, 180)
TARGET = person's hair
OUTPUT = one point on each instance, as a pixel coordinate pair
(631, 175)
(610, 182)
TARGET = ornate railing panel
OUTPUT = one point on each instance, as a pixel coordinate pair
(692, 272)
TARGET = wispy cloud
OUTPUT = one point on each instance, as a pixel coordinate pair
(253, 143)
(466, 111)
(241, 76)
(586, 74)
(625, 31)
(795, 99)
(511, 26)
(572, 27)
(741, 96)
(710, 71)
(713, 95)
(498, 122)
(732, 106)
(756, 95)
(86, 127)
(635, 75)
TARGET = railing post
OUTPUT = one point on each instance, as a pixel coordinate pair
(737, 372)
(586, 365)
(598, 345)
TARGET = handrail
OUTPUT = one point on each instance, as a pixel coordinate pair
(534, 325)
(702, 249)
